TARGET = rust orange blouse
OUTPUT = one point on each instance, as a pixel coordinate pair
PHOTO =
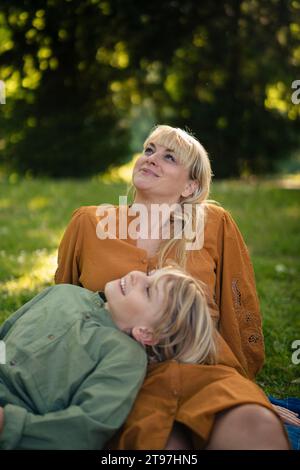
(223, 264)
(191, 394)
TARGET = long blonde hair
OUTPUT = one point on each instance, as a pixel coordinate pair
(194, 157)
(185, 331)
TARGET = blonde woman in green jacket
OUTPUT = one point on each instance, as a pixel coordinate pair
(71, 374)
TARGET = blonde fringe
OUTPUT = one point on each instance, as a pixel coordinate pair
(185, 332)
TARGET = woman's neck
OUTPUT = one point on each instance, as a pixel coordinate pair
(148, 201)
(156, 218)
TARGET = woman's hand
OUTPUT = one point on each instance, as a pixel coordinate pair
(289, 417)
(1, 419)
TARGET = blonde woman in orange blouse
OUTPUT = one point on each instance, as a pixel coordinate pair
(183, 406)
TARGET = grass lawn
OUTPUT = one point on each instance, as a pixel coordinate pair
(34, 214)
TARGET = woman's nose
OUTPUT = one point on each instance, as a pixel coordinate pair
(138, 277)
(152, 158)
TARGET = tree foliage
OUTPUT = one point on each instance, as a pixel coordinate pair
(81, 76)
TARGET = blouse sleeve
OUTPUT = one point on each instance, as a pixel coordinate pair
(240, 318)
(68, 268)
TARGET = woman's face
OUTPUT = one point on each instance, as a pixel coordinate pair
(134, 302)
(159, 175)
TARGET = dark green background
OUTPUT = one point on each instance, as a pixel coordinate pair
(87, 79)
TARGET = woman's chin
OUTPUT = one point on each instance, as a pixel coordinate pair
(141, 184)
(110, 289)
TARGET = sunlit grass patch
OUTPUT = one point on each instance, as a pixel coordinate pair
(34, 214)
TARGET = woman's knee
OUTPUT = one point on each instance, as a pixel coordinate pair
(248, 427)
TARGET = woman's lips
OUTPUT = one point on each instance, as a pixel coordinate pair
(122, 284)
(148, 172)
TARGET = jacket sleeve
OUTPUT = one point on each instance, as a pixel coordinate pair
(97, 409)
(6, 326)
(240, 318)
(68, 268)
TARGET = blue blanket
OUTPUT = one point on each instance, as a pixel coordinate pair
(292, 404)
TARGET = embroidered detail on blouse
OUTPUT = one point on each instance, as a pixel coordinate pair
(237, 298)
(249, 335)
(253, 338)
(248, 317)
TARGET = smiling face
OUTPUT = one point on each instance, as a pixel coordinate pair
(135, 304)
(160, 175)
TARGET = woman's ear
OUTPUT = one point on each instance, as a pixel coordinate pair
(143, 335)
(190, 188)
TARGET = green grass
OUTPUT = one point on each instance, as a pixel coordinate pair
(34, 214)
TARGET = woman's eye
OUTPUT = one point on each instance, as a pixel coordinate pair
(167, 157)
(171, 157)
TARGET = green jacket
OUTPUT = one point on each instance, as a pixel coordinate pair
(70, 377)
